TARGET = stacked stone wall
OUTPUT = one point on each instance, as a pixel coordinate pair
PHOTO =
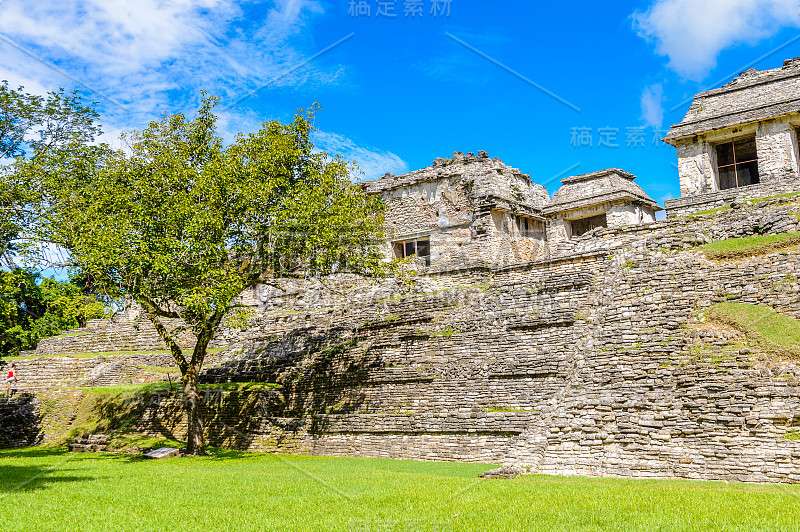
(47, 372)
(688, 205)
(598, 362)
(111, 336)
(19, 422)
(590, 364)
(759, 217)
(594, 371)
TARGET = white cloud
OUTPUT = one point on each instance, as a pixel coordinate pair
(652, 105)
(371, 161)
(692, 33)
(156, 55)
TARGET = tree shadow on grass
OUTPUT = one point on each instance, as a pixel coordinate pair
(27, 478)
(34, 452)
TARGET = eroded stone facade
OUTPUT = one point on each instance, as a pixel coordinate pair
(598, 363)
(764, 106)
(473, 210)
(523, 344)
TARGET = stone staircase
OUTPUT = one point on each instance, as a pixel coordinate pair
(90, 443)
(105, 336)
(44, 373)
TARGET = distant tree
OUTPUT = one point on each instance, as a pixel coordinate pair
(32, 126)
(68, 305)
(31, 309)
(182, 223)
(20, 306)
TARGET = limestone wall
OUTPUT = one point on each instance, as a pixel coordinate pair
(510, 243)
(19, 422)
(589, 364)
(111, 336)
(596, 362)
(777, 150)
(685, 206)
(42, 373)
(695, 168)
(771, 216)
(624, 214)
(461, 205)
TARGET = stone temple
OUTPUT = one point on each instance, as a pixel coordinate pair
(475, 210)
(570, 335)
(740, 140)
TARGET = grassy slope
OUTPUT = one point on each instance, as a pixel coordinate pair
(750, 246)
(771, 331)
(113, 410)
(271, 492)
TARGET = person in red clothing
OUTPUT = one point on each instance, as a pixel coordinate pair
(11, 378)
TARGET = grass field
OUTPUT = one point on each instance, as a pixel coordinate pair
(43, 490)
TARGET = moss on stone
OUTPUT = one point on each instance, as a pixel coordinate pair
(762, 325)
(736, 248)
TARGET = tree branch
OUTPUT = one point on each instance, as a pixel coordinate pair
(151, 311)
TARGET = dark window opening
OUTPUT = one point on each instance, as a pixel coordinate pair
(737, 163)
(584, 225)
(416, 247)
(528, 227)
(797, 137)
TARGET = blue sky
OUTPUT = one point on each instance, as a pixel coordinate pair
(522, 80)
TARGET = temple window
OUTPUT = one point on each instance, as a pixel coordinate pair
(797, 142)
(419, 247)
(584, 225)
(737, 163)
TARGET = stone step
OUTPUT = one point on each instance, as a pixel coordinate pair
(93, 439)
(90, 443)
(87, 448)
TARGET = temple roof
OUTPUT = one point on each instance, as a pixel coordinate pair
(751, 97)
(594, 188)
(488, 179)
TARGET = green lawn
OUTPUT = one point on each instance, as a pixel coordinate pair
(44, 489)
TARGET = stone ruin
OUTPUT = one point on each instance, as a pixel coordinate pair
(739, 141)
(479, 211)
(537, 334)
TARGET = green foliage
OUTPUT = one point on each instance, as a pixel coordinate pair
(21, 306)
(448, 332)
(31, 127)
(717, 210)
(771, 331)
(183, 223)
(31, 309)
(792, 435)
(504, 409)
(750, 246)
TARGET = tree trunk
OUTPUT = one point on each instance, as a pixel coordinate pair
(195, 442)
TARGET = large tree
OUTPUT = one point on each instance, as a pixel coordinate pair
(183, 223)
(32, 126)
